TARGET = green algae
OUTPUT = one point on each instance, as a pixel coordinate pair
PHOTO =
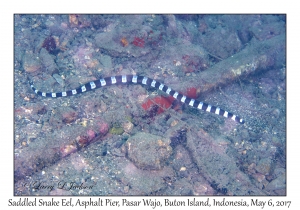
(116, 130)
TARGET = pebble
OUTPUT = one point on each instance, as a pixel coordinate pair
(127, 127)
(175, 122)
(59, 80)
(276, 113)
(259, 177)
(126, 189)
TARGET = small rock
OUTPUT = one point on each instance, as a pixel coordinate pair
(277, 184)
(148, 151)
(59, 80)
(279, 171)
(258, 177)
(31, 62)
(68, 115)
(48, 61)
(106, 61)
(63, 115)
(68, 149)
(126, 189)
(264, 166)
(127, 127)
(244, 134)
(276, 141)
(275, 113)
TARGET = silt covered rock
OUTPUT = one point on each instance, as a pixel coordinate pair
(148, 151)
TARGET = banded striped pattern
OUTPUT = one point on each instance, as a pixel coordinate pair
(134, 79)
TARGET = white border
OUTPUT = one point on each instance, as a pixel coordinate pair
(8, 8)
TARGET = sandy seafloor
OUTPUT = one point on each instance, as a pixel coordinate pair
(129, 139)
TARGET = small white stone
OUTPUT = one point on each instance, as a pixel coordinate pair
(178, 63)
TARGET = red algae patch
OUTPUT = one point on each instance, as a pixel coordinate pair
(139, 42)
(161, 101)
(192, 92)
